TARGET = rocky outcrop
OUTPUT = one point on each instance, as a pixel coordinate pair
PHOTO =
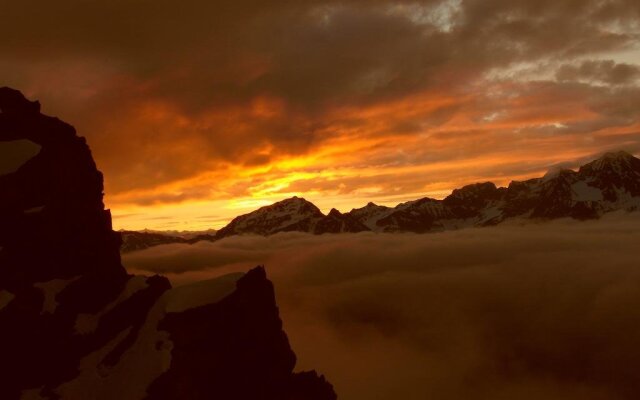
(336, 222)
(243, 334)
(470, 200)
(75, 325)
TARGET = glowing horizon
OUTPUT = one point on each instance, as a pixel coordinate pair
(195, 216)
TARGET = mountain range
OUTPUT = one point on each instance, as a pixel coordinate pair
(609, 183)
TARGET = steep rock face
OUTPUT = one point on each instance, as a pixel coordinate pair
(75, 325)
(470, 200)
(555, 198)
(243, 333)
(336, 222)
(609, 183)
(617, 175)
(370, 214)
(414, 216)
(52, 203)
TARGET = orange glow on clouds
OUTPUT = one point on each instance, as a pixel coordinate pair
(371, 160)
(200, 115)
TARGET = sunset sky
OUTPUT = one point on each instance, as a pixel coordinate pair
(197, 111)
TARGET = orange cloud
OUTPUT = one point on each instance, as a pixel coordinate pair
(363, 156)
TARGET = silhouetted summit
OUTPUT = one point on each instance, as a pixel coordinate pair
(610, 183)
(293, 214)
(75, 325)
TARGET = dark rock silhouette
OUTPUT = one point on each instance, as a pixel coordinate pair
(243, 333)
(75, 325)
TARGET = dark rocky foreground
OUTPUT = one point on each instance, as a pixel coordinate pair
(75, 325)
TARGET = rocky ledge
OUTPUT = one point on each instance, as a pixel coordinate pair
(76, 325)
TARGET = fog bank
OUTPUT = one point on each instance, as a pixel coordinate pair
(512, 312)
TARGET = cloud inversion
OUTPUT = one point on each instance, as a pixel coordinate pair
(542, 311)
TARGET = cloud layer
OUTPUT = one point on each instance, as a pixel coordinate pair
(542, 311)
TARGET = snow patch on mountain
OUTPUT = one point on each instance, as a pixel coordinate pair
(584, 192)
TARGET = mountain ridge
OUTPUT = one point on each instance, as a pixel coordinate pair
(608, 183)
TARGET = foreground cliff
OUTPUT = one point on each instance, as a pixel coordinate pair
(75, 325)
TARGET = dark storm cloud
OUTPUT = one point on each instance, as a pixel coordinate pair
(542, 311)
(305, 51)
(606, 71)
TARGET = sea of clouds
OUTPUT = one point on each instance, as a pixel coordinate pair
(542, 311)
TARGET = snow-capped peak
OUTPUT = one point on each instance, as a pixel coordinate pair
(609, 183)
(616, 161)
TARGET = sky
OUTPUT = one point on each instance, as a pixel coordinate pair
(197, 111)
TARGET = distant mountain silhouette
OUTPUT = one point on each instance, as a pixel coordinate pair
(75, 325)
(140, 240)
(610, 183)
(294, 214)
(607, 184)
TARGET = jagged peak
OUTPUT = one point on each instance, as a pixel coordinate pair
(293, 203)
(525, 183)
(616, 161)
(417, 202)
(257, 274)
(475, 188)
(370, 206)
(291, 211)
(475, 193)
(13, 101)
(294, 200)
(617, 155)
(614, 157)
(293, 206)
(483, 185)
